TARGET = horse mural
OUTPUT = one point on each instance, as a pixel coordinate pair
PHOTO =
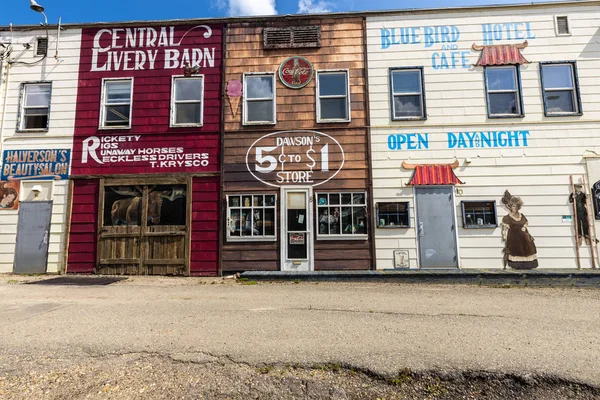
(127, 211)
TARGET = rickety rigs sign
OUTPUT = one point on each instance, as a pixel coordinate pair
(35, 164)
(112, 154)
(295, 158)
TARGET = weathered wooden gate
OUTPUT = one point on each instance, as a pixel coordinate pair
(144, 227)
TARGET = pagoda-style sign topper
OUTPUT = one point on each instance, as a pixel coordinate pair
(295, 158)
(432, 174)
(501, 54)
(295, 72)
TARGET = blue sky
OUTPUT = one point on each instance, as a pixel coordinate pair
(72, 11)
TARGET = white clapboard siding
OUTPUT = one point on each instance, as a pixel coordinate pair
(63, 73)
(557, 147)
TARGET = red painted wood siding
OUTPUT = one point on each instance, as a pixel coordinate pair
(150, 113)
(84, 223)
(205, 227)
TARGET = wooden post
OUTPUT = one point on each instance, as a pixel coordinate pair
(575, 220)
(591, 226)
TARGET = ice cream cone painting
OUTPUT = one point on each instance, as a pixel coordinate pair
(234, 94)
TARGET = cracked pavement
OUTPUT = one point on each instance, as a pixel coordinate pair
(378, 327)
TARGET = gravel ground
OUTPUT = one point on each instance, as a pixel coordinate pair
(148, 376)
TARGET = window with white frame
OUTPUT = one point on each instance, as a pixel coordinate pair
(35, 106)
(187, 100)
(259, 99)
(333, 98)
(251, 217)
(559, 86)
(408, 100)
(116, 103)
(503, 91)
(342, 214)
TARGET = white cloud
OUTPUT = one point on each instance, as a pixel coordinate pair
(250, 7)
(310, 7)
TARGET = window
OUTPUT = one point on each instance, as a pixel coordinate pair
(561, 23)
(251, 217)
(333, 101)
(342, 214)
(187, 100)
(479, 214)
(407, 93)
(259, 99)
(292, 37)
(393, 215)
(41, 49)
(559, 86)
(503, 91)
(35, 106)
(116, 107)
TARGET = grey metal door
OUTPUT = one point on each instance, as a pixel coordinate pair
(33, 232)
(436, 227)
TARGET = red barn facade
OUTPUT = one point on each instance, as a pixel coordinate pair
(146, 152)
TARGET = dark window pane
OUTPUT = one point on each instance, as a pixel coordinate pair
(234, 201)
(269, 200)
(333, 84)
(269, 222)
(188, 113)
(258, 222)
(122, 205)
(503, 103)
(246, 222)
(167, 205)
(234, 223)
(324, 221)
(406, 81)
(501, 78)
(560, 101)
(260, 111)
(407, 106)
(392, 214)
(246, 201)
(259, 87)
(334, 221)
(117, 115)
(346, 198)
(479, 214)
(35, 122)
(258, 201)
(322, 199)
(557, 76)
(188, 89)
(359, 222)
(358, 198)
(347, 228)
(334, 198)
(297, 246)
(334, 109)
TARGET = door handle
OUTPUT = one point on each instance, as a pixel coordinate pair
(45, 241)
(421, 230)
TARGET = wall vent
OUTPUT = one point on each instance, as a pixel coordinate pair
(562, 25)
(292, 37)
(42, 46)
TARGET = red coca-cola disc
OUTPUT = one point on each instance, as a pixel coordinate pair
(295, 72)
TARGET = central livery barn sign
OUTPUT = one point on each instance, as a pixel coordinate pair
(149, 57)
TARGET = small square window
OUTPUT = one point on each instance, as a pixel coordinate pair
(35, 106)
(393, 215)
(561, 24)
(479, 214)
(342, 215)
(408, 100)
(187, 101)
(41, 48)
(259, 99)
(251, 217)
(503, 91)
(116, 103)
(333, 100)
(560, 91)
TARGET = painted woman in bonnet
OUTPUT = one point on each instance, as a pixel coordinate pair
(519, 251)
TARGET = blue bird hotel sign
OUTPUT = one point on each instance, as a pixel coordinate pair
(35, 164)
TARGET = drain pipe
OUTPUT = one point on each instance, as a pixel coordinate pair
(4, 86)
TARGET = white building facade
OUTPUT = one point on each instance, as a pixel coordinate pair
(468, 103)
(38, 86)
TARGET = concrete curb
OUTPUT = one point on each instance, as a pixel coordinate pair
(545, 278)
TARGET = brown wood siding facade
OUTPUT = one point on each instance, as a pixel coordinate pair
(342, 48)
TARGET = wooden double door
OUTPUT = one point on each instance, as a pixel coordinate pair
(144, 228)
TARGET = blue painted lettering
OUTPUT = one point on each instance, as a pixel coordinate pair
(423, 141)
(429, 40)
(471, 140)
(385, 38)
(413, 141)
(392, 142)
(415, 35)
(506, 31)
(530, 35)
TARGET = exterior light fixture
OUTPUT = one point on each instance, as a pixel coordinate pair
(38, 8)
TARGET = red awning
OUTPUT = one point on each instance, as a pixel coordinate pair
(502, 54)
(434, 175)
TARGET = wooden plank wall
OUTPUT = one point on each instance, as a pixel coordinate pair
(84, 227)
(205, 227)
(342, 48)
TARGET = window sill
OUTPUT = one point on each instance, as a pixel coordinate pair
(110, 128)
(505, 116)
(186, 125)
(32, 130)
(420, 118)
(393, 227)
(333, 121)
(480, 226)
(250, 239)
(577, 114)
(245, 123)
(343, 237)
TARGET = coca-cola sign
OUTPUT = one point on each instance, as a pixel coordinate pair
(295, 72)
(307, 158)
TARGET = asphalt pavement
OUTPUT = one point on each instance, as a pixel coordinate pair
(379, 327)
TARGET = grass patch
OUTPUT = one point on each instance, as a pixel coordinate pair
(265, 369)
(12, 281)
(435, 389)
(404, 377)
(335, 367)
